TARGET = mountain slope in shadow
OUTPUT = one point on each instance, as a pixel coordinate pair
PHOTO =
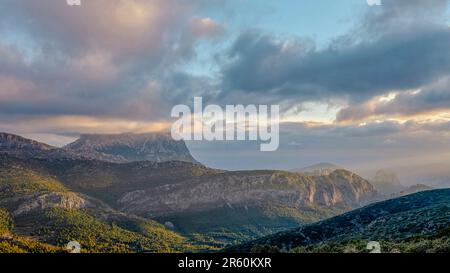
(413, 223)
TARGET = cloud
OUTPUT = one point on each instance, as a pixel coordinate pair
(126, 28)
(404, 15)
(105, 59)
(399, 46)
(265, 64)
(120, 59)
(205, 27)
(427, 101)
(75, 125)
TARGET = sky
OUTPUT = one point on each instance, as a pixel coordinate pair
(357, 85)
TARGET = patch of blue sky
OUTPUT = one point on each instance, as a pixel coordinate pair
(318, 20)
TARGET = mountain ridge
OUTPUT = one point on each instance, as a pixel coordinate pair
(116, 148)
(398, 221)
(318, 169)
(129, 147)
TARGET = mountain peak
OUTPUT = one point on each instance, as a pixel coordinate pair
(387, 182)
(11, 142)
(322, 168)
(128, 147)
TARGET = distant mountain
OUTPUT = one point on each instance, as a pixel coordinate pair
(387, 182)
(411, 189)
(156, 147)
(434, 174)
(26, 148)
(122, 148)
(413, 223)
(14, 142)
(318, 169)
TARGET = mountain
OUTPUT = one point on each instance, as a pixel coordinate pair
(39, 213)
(318, 169)
(412, 189)
(106, 180)
(26, 148)
(414, 223)
(253, 203)
(202, 202)
(121, 148)
(227, 206)
(208, 206)
(14, 142)
(387, 182)
(435, 173)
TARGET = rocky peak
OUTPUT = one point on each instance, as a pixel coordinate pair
(340, 189)
(387, 182)
(318, 169)
(10, 142)
(129, 147)
(26, 148)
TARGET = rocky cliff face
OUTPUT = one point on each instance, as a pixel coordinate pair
(133, 147)
(339, 189)
(51, 200)
(14, 142)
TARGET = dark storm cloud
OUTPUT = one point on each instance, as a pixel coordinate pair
(399, 46)
(400, 61)
(404, 15)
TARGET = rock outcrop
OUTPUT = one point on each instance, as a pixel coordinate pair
(339, 189)
(156, 147)
(51, 200)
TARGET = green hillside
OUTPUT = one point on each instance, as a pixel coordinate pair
(103, 180)
(38, 213)
(230, 225)
(59, 226)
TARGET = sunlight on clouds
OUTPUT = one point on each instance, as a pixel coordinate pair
(83, 124)
(397, 106)
(387, 98)
(133, 14)
(313, 112)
